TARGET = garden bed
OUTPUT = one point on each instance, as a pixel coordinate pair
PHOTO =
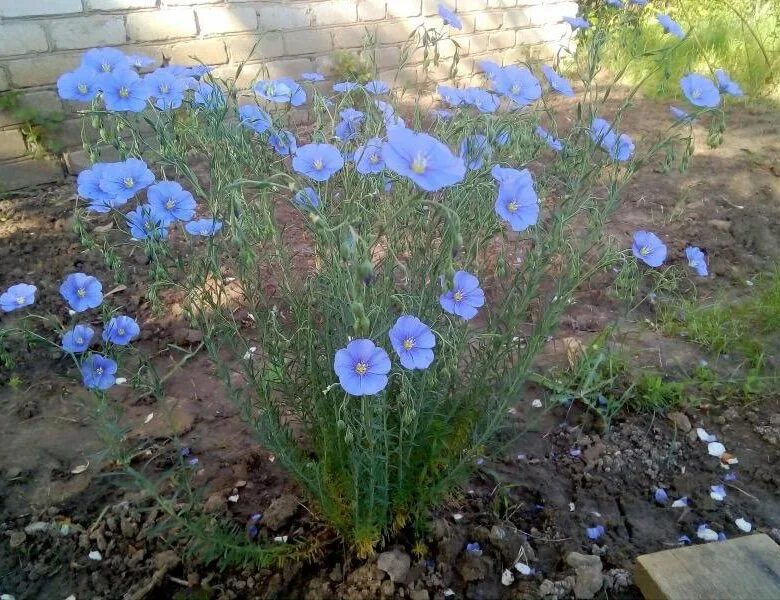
(561, 474)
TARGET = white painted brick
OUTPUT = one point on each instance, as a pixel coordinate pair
(37, 8)
(430, 8)
(395, 32)
(165, 24)
(470, 5)
(371, 10)
(21, 38)
(478, 43)
(334, 12)
(501, 39)
(120, 4)
(404, 8)
(502, 3)
(267, 45)
(41, 70)
(15, 175)
(189, 2)
(388, 57)
(219, 19)
(349, 37)
(311, 42)
(288, 68)
(12, 144)
(87, 32)
(210, 52)
(517, 17)
(488, 21)
(275, 16)
(3, 81)
(541, 15)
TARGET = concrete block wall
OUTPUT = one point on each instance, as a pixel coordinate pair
(41, 39)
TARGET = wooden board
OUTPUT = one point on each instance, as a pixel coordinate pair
(745, 568)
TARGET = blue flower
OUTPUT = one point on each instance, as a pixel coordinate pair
(474, 548)
(121, 330)
(475, 150)
(362, 368)
(450, 95)
(595, 532)
(146, 224)
(684, 540)
(681, 115)
(639, 2)
(504, 174)
(615, 3)
(368, 157)
(81, 291)
(717, 492)
(297, 93)
(697, 260)
(491, 68)
(170, 202)
(377, 87)
(17, 296)
(412, 341)
(518, 84)
(602, 134)
(700, 91)
(517, 203)
(670, 26)
(622, 148)
(557, 82)
(312, 76)
(166, 88)
(88, 187)
(726, 85)
(140, 61)
(203, 227)
(317, 161)
(349, 126)
(577, 22)
(388, 114)
(648, 248)
(422, 158)
(344, 87)
(549, 139)
(125, 90)
(307, 198)
(97, 372)
(81, 85)
(503, 137)
(481, 99)
(273, 91)
(283, 142)
(208, 96)
(449, 17)
(123, 180)
(255, 118)
(77, 339)
(105, 60)
(464, 298)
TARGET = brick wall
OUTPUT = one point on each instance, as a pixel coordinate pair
(40, 39)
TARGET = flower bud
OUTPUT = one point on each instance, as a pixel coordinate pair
(365, 271)
(358, 310)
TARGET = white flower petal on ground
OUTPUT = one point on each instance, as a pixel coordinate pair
(95, 555)
(744, 525)
(704, 436)
(523, 568)
(715, 449)
(507, 578)
(706, 534)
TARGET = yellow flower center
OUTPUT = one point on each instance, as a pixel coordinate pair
(79, 340)
(82, 87)
(129, 182)
(318, 164)
(512, 206)
(99, 371)
(644, 251)
(106, 67)
(81, 292)
(164, 89)
(458, 295)
(170, 204)
(696, 93)
(361, 368)
(124, 92)
(373, 159)
(20, 300)
(419, 164)
(121, 331)
(515, 88)
(408, 343)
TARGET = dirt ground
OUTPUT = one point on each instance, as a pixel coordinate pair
(532, 505)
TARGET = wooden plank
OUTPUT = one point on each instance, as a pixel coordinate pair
(745, 568)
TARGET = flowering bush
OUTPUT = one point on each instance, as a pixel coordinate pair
(377, 358)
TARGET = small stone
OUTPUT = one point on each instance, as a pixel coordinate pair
(214, 503)
(128, 527)
(165, 560)
(774, 420)
(680, 420)
(396, 564)
(37, 527)
(280, 512)
(474, 568)
(17, 538)
(589, 576)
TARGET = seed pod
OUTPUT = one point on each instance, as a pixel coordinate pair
(365, 271)
(358, 310)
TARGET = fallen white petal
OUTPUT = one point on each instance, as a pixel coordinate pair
(281, 539)
(149, 417)
(95, 555)
(744, 525)
(716, 449)
(457, 516)
(80, 469)
(571, 506)
(707, 534)
(680, 503)
(507, 578)
(448, 592)
(71, 597)
(717, 496)
(704, 436)
(523, 568)
(120, 380)
(233, 498)
(537, 403)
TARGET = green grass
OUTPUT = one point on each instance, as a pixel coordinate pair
(740, 36)
(746, 326)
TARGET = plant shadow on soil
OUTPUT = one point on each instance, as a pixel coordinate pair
(518, 506)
